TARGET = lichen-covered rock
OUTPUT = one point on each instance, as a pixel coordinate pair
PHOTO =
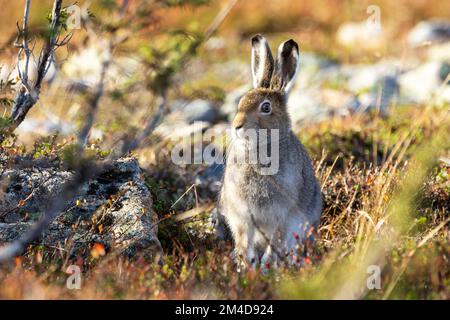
(114, 209)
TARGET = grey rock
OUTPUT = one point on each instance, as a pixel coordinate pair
(46, 127)
(426, 32)
(215, 43)
(200, 110)
(443, 99)
(12, 231)
(211, 178)
(364, 78)
(423, 83)
(305, 106)
(372, 86)
(314, 105)
(361, 35)
(83, 68)
(313, 70)
(35, 183)
(382, 95)
(231, 70)
(187, 119)
(114, 209)
(176, 129)
(220, 227)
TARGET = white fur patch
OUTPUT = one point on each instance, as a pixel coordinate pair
(258, 75)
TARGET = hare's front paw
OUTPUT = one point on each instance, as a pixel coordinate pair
(240, 261)
(269, 260)
(244, 261)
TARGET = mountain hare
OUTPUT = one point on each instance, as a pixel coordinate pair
(271, 206)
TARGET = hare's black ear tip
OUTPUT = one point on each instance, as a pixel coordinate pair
(291, 43)
(257, 38)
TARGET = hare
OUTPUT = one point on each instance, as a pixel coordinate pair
(268, 213)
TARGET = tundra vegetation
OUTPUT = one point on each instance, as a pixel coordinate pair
(104, 90)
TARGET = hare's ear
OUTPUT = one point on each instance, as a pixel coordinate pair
(262, 62)
(286, 66)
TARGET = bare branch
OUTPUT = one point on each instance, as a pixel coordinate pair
(219, 19)
(28, 95)
(157, 117)
(50, 44)
(93, 105)
(23, 75)
(64, 41)
(150, 127)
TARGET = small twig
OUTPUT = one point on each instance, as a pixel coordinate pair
(193, 212)
(23, 47)
(219, 19)
(181, 197)
(29, 94)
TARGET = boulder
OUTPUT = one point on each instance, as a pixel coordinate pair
(361, 35)
(382, 94)
(429, 32)
(114, 209)
(363, 78)
(316, 104)
(211, 178)
(421, 84)
(200, 110)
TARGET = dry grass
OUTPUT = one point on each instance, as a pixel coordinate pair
(361, 198)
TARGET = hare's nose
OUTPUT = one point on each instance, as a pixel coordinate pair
(239, 121)
(238, 125)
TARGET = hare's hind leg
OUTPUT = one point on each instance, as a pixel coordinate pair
(270, 259)
(299, 237)
(296, 232)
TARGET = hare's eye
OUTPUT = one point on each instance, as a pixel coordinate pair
(265, 107)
